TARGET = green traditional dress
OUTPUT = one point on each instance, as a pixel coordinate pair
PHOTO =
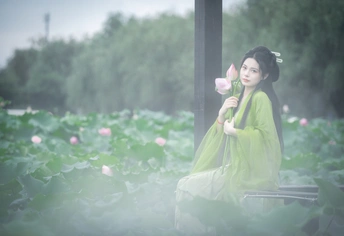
(252, 162)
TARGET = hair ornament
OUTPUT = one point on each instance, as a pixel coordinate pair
(277, 54)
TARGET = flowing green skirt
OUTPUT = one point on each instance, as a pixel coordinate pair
(207, 184)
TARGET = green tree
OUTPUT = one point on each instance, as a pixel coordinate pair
(14, 77)
(147, 63)
(309, 35)
(46, 87)
(136, 64)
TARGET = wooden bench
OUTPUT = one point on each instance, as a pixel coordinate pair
(290, 193)
(306, 195)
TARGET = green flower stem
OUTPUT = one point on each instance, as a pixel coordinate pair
(235, 86)
(224, 159)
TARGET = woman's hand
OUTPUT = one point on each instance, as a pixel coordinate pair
(228, 128)
(228, 103)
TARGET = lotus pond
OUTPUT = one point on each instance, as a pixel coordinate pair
(116, 174)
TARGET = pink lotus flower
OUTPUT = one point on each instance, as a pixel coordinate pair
(160, 141)
(303, 122)
(105, 131)
(222, 85)
(73, 140)
(232, 73)
(36, 139)
(106, 170)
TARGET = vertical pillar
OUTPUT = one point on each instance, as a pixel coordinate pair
(208, 64)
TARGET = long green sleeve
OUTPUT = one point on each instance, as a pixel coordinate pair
(254, 155)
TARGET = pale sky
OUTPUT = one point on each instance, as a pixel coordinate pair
(21, 20)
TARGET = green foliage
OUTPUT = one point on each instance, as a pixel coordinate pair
(148, 63)
(138, 63)
(15, 76)
(48, 77)
(312, 151)
(37, 76)
(308, 34)
(229, 218)
(54, 187)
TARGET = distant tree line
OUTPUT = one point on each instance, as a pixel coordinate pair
(132, 63)
(148, 63)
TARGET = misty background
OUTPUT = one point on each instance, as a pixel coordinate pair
(106, 56)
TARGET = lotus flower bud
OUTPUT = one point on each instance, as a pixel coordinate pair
(232, 73)
(303, 122)
(36, 139)
(160, 141)
(106, 170)
(105, 131)
(73, 140)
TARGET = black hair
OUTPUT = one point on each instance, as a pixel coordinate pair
(268, 65)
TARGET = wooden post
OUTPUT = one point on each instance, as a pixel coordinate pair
(208, 64)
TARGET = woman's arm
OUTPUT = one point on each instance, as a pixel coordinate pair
(229, 103)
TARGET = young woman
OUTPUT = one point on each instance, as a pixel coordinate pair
(252, 156)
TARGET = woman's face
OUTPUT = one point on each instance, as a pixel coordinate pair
(250, 73)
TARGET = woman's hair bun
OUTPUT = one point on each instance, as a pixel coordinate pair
(274, 68)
